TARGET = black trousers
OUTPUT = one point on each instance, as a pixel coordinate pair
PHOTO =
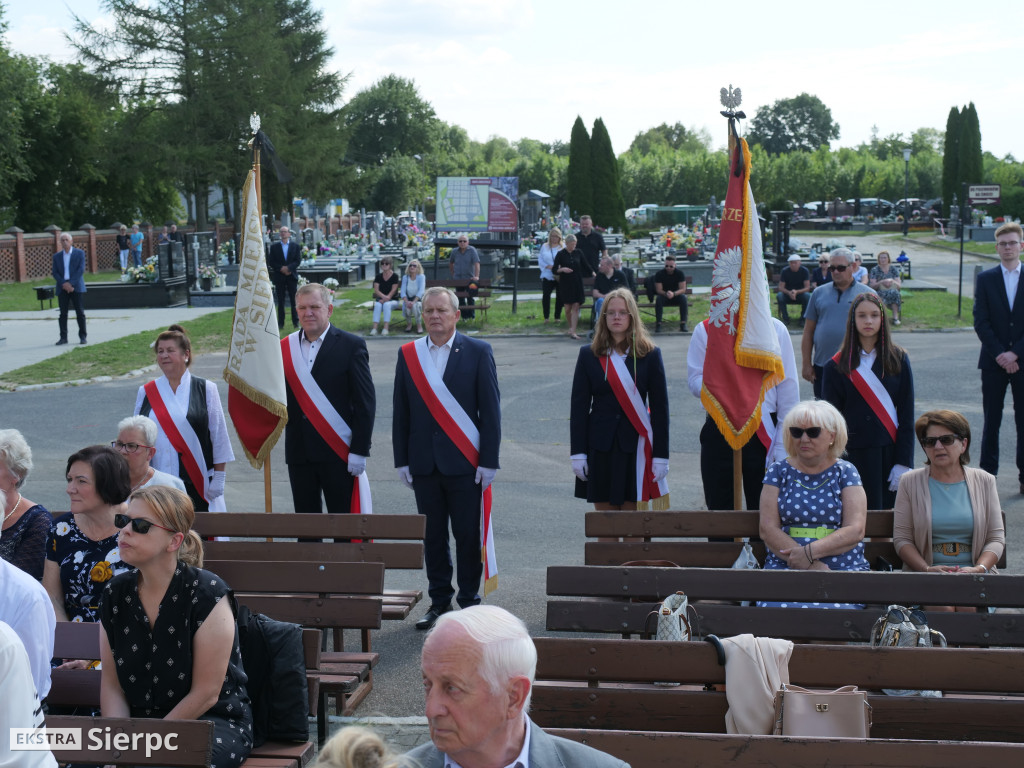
(64, 301)
(993, 395)
(330, 478)
(464, 301)
(716, 469)
(819, 374)
(676, 301)
(874, 466)
(453, 499)
(548, 287)
(282, 285)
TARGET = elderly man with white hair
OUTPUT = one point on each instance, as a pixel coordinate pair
(478, 668)
(136, 441)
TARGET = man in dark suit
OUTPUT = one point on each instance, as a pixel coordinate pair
(448, 486)
(999, 323)
(69, 272)
(477, 721)
(283, 263)
(340, 367)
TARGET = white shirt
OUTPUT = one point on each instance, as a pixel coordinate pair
(19, 705)
(546, 260)
(67, 265)
(25, 606)
(310, 348)
(1011, 277)
(778, 400)
(440, 354)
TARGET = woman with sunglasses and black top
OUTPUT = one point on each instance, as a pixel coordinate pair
(821, 275)
(870, 381)
(170, 644)
(812, 505)
(947, 516)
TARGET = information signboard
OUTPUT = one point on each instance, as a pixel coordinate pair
(483, 204)
(983, 194)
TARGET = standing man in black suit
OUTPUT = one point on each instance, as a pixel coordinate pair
(445, 433)
(331, 408)
(69, 272)
(283, 263)
(999, 323)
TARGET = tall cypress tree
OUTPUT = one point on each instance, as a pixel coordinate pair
(970, 169)
(579, 192)
(950, 160)
(609, 208)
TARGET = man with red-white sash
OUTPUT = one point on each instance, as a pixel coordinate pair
(445, 434)
(331, 408)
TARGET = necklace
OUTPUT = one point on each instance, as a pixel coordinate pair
(16, 505)
(145, 479)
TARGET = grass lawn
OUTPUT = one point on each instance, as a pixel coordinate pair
(21, 297)
(922, 310)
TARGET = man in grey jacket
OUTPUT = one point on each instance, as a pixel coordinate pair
(478, 668)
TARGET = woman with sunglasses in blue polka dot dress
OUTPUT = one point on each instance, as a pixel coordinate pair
(813, 508)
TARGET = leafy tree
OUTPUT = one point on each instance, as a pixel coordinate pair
(21, 94)
(388, 118)
(579, 194)
(609, 210)
(397, 185)
(676, 137)
(951, 160)
(969, 163)
(803, 122)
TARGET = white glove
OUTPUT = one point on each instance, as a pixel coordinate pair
(580, 468)
(405, 476)
(660, 468)
(356, 464)
(484, 477)
(898, 471)
(216, 485)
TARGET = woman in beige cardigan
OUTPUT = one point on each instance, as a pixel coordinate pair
(947, 515)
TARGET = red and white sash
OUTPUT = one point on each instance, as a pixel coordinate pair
(459, 427)
(165, 407)
(875, 395)
(636, 411)
(324, 417)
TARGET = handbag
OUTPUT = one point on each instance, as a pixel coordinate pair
(901, 627)
(844, 712)
(672, 622)
(746, 562)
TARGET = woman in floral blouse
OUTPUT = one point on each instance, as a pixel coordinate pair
(81, 553)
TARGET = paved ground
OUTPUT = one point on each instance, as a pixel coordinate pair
(537, 521)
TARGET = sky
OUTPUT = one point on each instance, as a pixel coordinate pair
(526, 68)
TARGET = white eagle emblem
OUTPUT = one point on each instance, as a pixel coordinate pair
(725, 288)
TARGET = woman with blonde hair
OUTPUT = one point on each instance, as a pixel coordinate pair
(123, 247)
(170, 645)
(357, 747)
(619, 422)
(548, 280)
(414, 283)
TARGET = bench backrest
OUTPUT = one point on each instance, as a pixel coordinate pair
(124, 741)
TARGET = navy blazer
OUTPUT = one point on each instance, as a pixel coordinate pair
(342, 369)
(597, 420)
(76, 269)
(278, 258)
(866, 431)
(419, 442)
(999, 329)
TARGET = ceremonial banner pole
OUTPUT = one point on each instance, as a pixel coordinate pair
(268, 498)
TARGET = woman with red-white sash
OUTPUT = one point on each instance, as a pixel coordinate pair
(619, 422)
(192, 439)
(870, 382)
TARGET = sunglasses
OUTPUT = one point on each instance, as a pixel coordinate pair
(838, 268)
(139, 525)
(947, 440)
(812, 432)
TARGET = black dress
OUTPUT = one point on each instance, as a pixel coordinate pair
(570, 284)
(154, 666)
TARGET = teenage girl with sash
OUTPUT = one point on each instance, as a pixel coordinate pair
(619, 414)
(869, 380)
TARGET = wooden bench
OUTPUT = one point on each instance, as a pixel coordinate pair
(620, 600)
(608, 684)
(122, 741)
(72, 688)
(652, 749)
(482, 300)
(662, 534)
(394, 540)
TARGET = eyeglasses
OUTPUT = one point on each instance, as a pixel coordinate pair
(139, 525)
(812, 432)
(947, 440)
(837, 268)
(127, 447)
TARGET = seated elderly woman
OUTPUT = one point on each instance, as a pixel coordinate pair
(25, 523)
(170, 646)
(82, 553)
(947, 516)
(813, 508)
(136, 441)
